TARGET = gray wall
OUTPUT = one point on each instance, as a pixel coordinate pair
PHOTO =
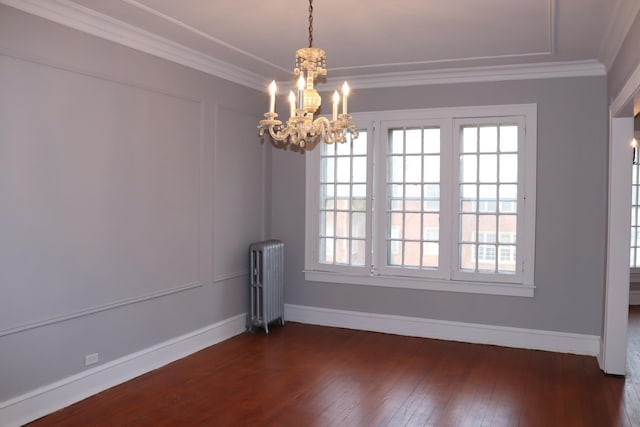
(570, 229)
(122, 177)
(626, 61)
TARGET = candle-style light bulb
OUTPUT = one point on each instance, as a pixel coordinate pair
(301, 83)
(336, 100)
(272, 96)
(292, 104)
(345, 94)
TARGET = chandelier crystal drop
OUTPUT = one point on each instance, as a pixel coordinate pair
(303, 127)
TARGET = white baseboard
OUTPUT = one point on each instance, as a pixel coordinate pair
(634, 297)
(561, 342)
(44, 400)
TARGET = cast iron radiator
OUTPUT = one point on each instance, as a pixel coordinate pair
(266, 284)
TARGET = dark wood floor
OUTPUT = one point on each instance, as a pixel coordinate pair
(301, 375)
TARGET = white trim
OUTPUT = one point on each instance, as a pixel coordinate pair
(427, 284)
(634, 297)
(622, 17)
(497, 73)
(89, 21)
(613, 357)
(52, 397)
(84, 19)
(533, 339)
(627, 93)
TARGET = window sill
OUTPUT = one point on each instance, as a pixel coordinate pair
(487, 288)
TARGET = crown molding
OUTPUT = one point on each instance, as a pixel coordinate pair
(622, 17)
(83, 19)
(497, 73)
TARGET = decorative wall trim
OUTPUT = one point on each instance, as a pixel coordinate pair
(497, 73)
(229, 276)
(50, 398)
(622, 17)
(98, 309)
(89, 21)
(83, 19)
(634, 298)
(533, 339)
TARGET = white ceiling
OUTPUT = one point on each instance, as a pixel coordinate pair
(368, 38)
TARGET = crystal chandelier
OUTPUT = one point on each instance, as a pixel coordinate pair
(302, 128)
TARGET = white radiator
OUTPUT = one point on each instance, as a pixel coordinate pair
(266, 287)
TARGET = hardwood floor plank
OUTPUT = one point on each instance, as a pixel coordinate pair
(304, 375)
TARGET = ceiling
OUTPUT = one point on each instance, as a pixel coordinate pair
(368, 38)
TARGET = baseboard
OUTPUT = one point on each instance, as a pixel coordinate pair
(52, 397)
(561, 342)
(634, 297)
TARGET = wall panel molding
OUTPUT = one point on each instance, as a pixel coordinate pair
(98, 309)
(202, 274)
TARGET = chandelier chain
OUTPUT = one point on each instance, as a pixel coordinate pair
(310, 23)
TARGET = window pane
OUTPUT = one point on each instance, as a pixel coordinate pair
(469, 140)
(358, 252)
(394, 253)
(413, 138)
(396, 141)
(396, 170)
(342, 196)
(488, 198)
(412, 226)
(432, 141)
(342, 251)
(413, 169)
(469, 168)
(509, 168)
(488, 168)
(468, 257)
(411, 254)
(358, 225)
(343, 149)
(430, 254)
(507, 226)
(488, 139)
(508, 138)
(327, 169)
(487, 227)
(342, 224)
(395, 227)
(431, 168)
(468, 228)
(359, 146)
(326, 250)
(487, 258)
(359, 169)
(326, 223)
(343, 165)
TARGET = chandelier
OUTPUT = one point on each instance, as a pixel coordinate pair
(303, 128)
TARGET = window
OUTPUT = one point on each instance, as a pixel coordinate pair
(430, 199)
(634, 261)
(343, 195)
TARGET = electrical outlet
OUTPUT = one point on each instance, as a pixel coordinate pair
(91, 359)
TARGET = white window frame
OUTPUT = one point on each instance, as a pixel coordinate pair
(376, 272)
